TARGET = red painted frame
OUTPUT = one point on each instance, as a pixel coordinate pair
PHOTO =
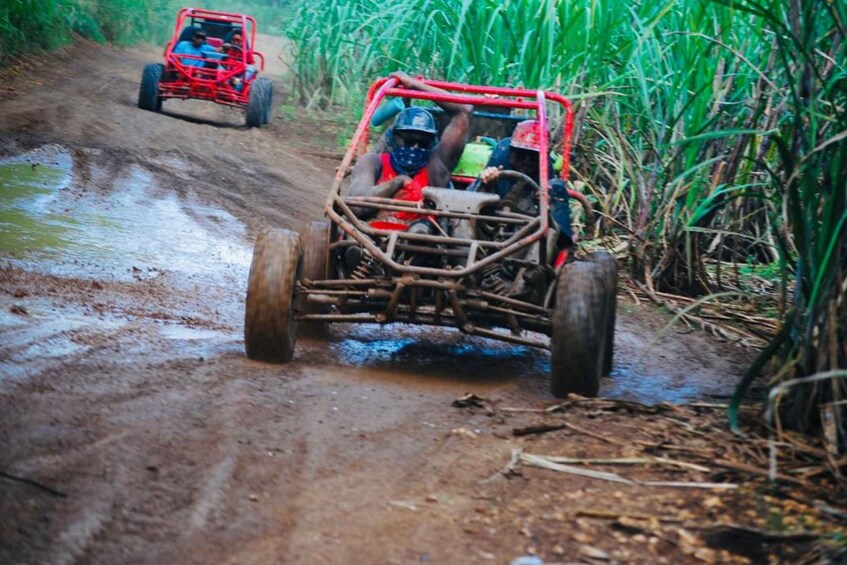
(209, 84)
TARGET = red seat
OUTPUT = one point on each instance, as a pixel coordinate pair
(215, 42)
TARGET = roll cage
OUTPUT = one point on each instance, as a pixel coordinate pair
(474, 254)
(188, 81)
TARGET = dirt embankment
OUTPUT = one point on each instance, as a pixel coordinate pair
(125, 390)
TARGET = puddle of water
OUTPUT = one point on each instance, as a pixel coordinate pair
(184, 333)
(44, 336)
(129, 232)
(626, 383)
(29, 186)
(422, 350)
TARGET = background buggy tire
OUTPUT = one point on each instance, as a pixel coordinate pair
(609, 265)
(315, 268)
(258, 104)
(578, 340)
(270, 330)
(148, 92)
(269, 105)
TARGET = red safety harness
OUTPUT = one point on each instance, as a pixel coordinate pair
(412, 192)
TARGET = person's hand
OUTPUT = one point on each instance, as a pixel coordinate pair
(489, 174)
(401, 181)
(226, 46)
(395, 184)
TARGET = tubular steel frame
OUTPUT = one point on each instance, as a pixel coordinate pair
(428, 295)
(210, 84)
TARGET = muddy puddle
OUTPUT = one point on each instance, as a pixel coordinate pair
(134, 229)
(440, 355)
(50, 221)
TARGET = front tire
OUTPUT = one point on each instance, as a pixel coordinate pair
(609, 265)
(258, 106)
(270, 330)
(315, 268)
(148, 92)
(269, 106)
(578, 340)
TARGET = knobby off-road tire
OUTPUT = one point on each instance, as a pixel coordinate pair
(259, 105)
(609, 265)
(315, 268)
(270, 330)
(148, 92)
(269, 105)
(578, 340)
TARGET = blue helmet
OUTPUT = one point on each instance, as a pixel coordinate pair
(415, 119)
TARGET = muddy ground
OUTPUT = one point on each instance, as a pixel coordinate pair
(133, 428)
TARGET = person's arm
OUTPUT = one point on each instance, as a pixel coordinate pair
(455, 135)
(362, 181)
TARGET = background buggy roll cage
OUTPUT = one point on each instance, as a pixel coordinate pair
(196, 18)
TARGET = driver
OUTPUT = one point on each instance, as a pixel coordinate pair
(520, 153)
(417, 159)
(197, 48)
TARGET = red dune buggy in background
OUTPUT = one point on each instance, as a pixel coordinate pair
(488, 267)
(224, 78)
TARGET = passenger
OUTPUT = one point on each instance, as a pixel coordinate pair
(417, 159)
(520, 153)
(196, 47)
(234, 48)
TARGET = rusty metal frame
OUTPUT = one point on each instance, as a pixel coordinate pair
(400, 296)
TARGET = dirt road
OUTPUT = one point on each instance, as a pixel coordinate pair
(127, 401)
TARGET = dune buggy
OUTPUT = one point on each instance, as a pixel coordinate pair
(491, 269)
(228, 78)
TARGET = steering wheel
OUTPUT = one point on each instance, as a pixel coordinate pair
(529, 191)
(517, 175)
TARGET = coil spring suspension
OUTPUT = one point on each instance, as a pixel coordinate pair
(365, 268)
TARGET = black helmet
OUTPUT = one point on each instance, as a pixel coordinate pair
(415, 119)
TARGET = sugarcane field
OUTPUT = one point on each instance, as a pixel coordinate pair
(512, 282)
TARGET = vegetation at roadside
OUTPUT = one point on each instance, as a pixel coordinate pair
(28, 26)
(711, 133)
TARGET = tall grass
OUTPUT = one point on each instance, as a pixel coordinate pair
(809, 181)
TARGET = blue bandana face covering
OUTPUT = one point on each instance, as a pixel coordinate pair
(409, 160)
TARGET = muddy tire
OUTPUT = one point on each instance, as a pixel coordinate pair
(148, 92)
(270, 330)
(578, 340)
(315, 268)
(609, 265)
(258, 107)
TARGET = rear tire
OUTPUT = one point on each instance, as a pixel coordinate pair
(315, 268)
(609, 265)
(578, 340)
(148, 92)
(258, 107)
(270, 330)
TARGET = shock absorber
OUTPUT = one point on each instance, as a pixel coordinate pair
(365, 268)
